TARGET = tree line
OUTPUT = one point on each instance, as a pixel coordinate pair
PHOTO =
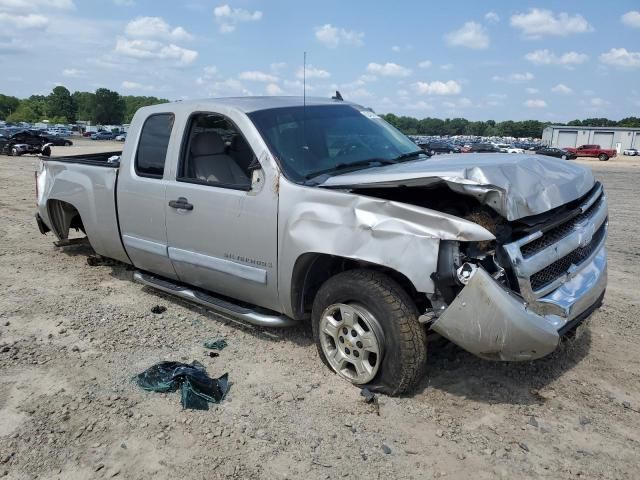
(491, 128)
(103, 107)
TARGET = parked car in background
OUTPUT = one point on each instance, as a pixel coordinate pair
(483, 148)
(88, 134)
(102, 136)
(23, 142)
(122, 137)
(631, 152)
(434, 148)
(593, 151)
(58, 141)
(504, 148)
(557, 152)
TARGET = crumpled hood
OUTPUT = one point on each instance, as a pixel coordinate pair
(514, 185)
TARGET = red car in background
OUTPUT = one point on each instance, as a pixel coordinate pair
(593, 151)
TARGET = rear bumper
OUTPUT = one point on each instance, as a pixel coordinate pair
(493, 323)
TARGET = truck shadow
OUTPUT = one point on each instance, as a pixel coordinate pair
(460, 374)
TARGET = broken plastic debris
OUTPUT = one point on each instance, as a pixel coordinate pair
(215, 344)
(368, 395)
(158, 309)
(196, 387)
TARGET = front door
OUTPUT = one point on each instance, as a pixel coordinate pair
(222, 214)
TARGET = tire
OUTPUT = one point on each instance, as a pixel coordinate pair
(13, 152)
(382, 305)
(46, 151)
(603, 157)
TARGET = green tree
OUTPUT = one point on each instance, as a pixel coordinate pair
(23, 113)
(629, 122)
(7, 105)
(60, 104)
(86, 105)
(133, 103)
(109, 107)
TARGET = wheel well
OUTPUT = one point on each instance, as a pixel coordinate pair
(313, 269)
(64, 217)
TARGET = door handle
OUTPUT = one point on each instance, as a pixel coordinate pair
(181, 204)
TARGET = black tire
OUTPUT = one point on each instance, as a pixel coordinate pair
(46, 151)
(405, 345)
(603, 157)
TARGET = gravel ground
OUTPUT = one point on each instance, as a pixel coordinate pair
(73, 335)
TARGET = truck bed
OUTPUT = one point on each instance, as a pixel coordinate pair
(94, 159)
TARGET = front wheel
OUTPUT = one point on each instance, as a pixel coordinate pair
(46, 151)
(366, 330)
(603, 157)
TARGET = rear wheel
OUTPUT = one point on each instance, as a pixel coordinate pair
(14, 152)
(603, 157)
(46, 151)
(366, 330)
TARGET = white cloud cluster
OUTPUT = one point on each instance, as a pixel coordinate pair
(492, 17)
(621, 57)
(36, 4)
(437, 87)
(152, 49)
(631, 19)
(256, 76)
(514, 77)
(538, 23)
(562, 89)
(312, 72)
(228, 18)
(332, 37)
(208, 74)
(535, 103)
(156, 27)
(547, 57)
(470, 35)
(23, 22)
(388, 69)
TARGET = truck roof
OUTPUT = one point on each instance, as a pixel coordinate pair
(249, 104)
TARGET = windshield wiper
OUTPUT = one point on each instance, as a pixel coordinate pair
(342, 167)
(406, 156)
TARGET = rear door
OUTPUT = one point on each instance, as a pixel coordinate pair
(222, 211)
(141, 197)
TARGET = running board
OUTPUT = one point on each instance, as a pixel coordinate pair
(216, 304)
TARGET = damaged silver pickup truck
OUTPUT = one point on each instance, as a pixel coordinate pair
(273, 211)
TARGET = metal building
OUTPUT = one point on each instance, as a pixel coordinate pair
(618, 138)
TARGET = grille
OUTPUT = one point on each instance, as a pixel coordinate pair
(560, 267)
(558, 233)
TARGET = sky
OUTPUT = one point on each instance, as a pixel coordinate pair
(501, 60)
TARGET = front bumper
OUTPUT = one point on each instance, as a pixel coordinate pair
(493, 323)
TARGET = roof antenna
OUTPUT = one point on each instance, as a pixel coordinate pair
(337, 96)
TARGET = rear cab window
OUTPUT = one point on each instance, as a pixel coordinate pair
(153, 144)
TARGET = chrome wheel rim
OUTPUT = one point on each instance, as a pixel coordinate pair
(352, 341)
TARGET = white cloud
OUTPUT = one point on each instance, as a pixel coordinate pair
(23, 22)
(332, 37)
(531, 91)
(312, 72)
(446, 66)
(621, 57)
(437, 87)
(156, 27)
(598, 102)
(228, 87)
(514, 77)
(277, 66)
(535, 103)
(546, 57)
(631, 19)
(562, 89)
(297, 86)
(388, 69)
(470, 35)
(492, 17)
(127, 85)
(425, 64)
(228, 18)
(151, 49)
(208, 74)
(255, 76)
(73, 73)
(539, 23)
(273, 89)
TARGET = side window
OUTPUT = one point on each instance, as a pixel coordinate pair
(153, 144)
(214, 152)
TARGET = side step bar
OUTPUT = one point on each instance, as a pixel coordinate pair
(216, 304)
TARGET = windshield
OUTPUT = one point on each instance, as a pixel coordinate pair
(330, 138)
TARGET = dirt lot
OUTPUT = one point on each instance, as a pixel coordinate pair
(72, 336)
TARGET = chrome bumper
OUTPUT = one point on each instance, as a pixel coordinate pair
(562, 276)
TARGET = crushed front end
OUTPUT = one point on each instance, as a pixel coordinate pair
(514, 298)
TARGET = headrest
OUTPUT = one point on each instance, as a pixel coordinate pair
(207, 143)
